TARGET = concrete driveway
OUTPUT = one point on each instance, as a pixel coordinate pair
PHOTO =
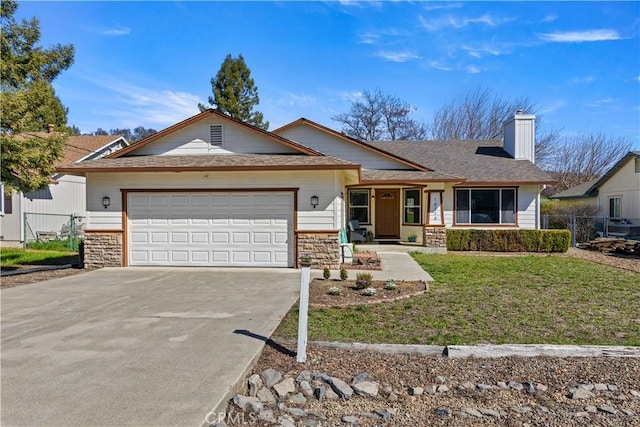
(135, 346)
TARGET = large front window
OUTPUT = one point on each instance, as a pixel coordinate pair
(412, 206)
(359, 205)
(486, 206)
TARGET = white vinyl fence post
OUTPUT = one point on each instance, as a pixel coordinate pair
(303, 314)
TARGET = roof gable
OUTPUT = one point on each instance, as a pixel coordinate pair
(81, 147)
(391, 160)
(211, 114)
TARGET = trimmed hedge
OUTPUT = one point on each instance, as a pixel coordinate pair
(508, 240)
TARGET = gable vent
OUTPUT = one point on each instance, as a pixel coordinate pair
(215, 135)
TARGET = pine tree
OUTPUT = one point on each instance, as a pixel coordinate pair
(235, 92)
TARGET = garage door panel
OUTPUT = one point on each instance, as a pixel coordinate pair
(218, 229)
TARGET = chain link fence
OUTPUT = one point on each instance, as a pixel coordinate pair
(53, 231)
(586, 228)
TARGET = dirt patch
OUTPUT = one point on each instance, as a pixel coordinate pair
(612, 259)
(39, 276)
(319, 292)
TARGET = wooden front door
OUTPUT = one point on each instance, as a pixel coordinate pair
(388, 214)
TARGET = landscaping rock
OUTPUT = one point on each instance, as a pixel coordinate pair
(440, 379)
(297, 412)
(442, 388)
(286, 421)
(515, 385)
(431, 389)
(581, 393)
(297, 399)
(266, 415)
(248, 403)
(591, 409)
(521, 409)
(255, 383)
(340, 387)
(608, 409)
(392, 397)
(385, 415)
(541, 387)
(484, 387)
(635, 393)
(502, 385)
(472, 412)
(366, 388)
(543, 409)
(627, 412)
(489, 412)
(529, 388)
(360, 378)
(285, 387)
(271, 377)
(612, 387)
(580, 414)
(600, 387)
(417, 391)
(468, 385)
(350, 419)
(443, 412)
(304, 376)
(306, 388)
(330, 394)
(319, 392)
(265, 396)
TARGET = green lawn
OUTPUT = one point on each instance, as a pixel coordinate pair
(483, 299)
(17, 256)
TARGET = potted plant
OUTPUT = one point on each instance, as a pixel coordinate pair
(412, 237)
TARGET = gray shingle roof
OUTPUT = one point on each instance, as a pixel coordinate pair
(483, 161)
(576, 192)
(405, 176)
(209, 162)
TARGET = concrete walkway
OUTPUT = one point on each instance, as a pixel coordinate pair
(135, 346)
(396, 264)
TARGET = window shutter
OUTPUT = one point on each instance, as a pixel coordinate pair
(215, 135)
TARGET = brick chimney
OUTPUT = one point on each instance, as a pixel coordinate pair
(50, 127)
(520, 136)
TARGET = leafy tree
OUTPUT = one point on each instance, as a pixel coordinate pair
(141, 133)
(378, 116)
(481, 114)
(28, 101)
(73, 130)
(100, 131)
(235, 93)
(134, 135)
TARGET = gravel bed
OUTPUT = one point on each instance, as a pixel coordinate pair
(551, 404)
(612, 259)
(39, 276)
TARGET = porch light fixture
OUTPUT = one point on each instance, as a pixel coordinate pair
(314, 201)
(106, 201)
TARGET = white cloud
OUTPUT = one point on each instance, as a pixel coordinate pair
(599, 103)
(294, 100)
(638, 78)
(581, 36)
(350, 96)
(457, 22)
(552, 108)
(549, 18)
(482, 51)
(116, 31)
(588, 79)
(368, 38)
(472, 69)
(442, 5)
(402, 56)
(439, 65)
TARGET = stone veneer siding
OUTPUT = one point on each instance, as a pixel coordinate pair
(102, 250)
(324, 249)
(435, 237)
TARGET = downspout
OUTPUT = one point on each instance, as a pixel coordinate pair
(540, 188)
(23, 218)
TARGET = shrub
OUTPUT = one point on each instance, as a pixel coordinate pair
(344, 274)
(390, 285)
(363, 280)
(333, 291)
(369, 292)
(508, 240)
(326, 273)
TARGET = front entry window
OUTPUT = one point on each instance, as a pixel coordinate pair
(359, 205)
(412, 206)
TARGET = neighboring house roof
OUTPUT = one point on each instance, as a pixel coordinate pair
(402, 176)
(209, 163)
(578, 192)
(207, 114)
(590, 188)
(302, 121)
(477, 161)
(78, 147)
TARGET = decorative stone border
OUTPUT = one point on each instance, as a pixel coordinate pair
(370, 301)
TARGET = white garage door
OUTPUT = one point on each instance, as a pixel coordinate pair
(211, 229)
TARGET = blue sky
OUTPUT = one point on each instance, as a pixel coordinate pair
(149, 63)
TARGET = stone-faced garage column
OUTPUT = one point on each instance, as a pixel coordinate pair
(323, 246)
(103, 249)
(435, 237)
